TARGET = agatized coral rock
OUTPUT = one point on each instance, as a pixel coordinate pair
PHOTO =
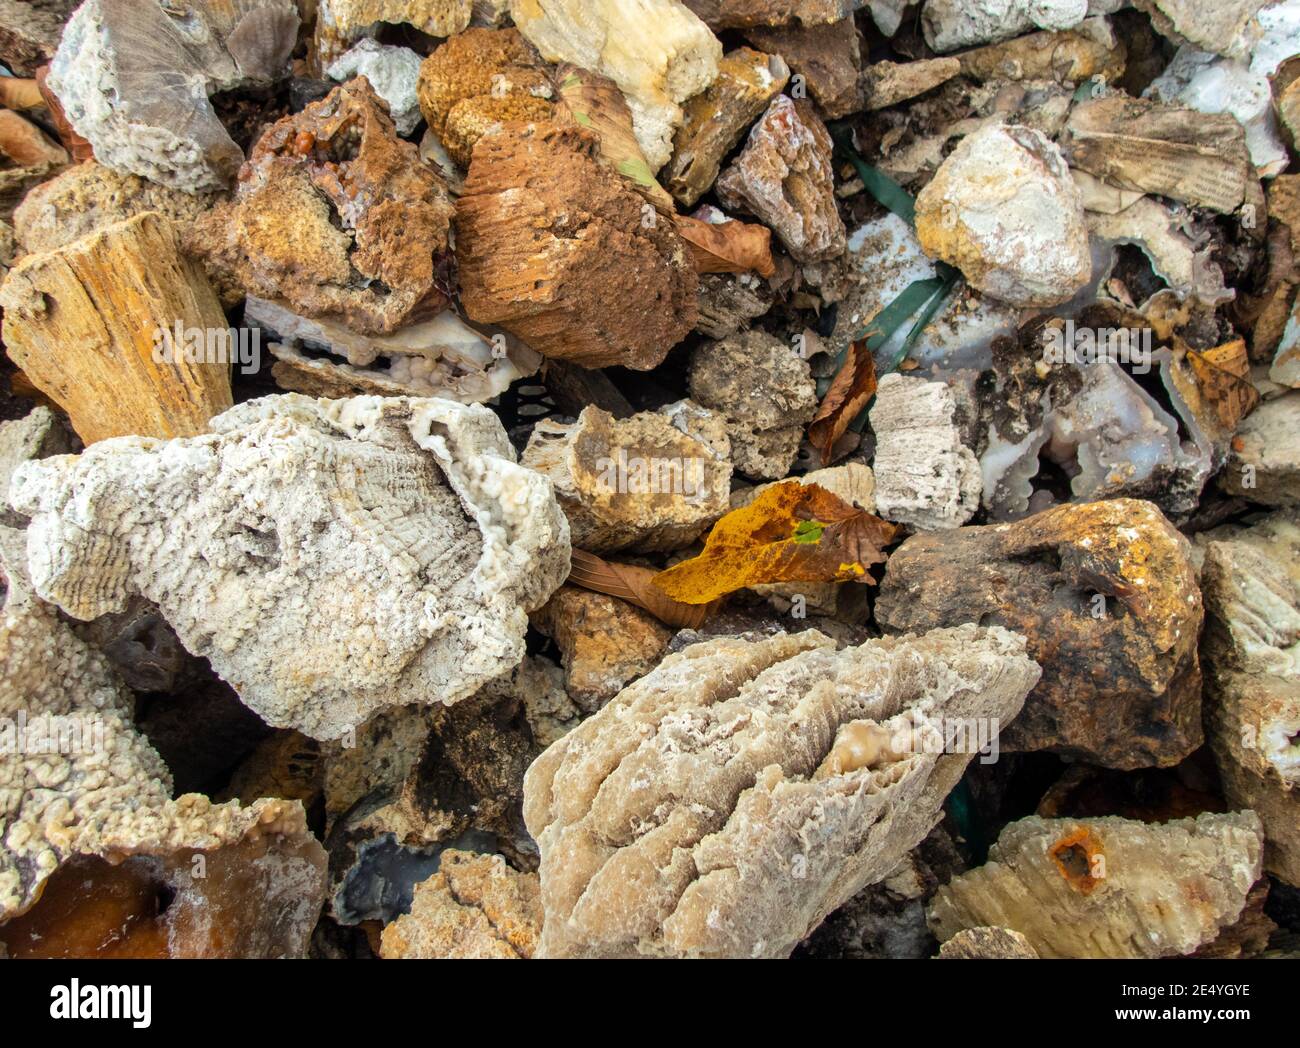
(784, 176)
(547, 259)
(1251, 581)
(133, 77)
(729, 800)
(827, 58)
(1106, 597)
(474, 907)
(987, 944)
(656, 51)
(341, 22)
(652, 482)
(337, 216)
(1109, 887)
(739, 14)
(766, 393)
(1004, 210)
(409, 518)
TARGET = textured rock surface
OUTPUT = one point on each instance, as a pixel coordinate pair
(828, 58)
(1091, 50)
(1106, 596)
(605, 643)
(1265, 462)
(133, 77)
(886, 83)
(30, 31)
(474, 907)
(720, 806)
(738, 14)
(717, 117)
(1003, 209)
(37, 435)
(1224, 27)
(337, 216)
(478, 80)
(728, 302)
(925, 475)
(410, 517)
(784, 176)
(764, 391)
(545, 259)
(340, 22)
(656, 51)
(1251, 580)
(951, 24)
(1109, 887)
(93, 325)
(392, 72)
(987, 944)
(652, 482)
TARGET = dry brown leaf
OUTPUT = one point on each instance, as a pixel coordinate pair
(728, 247)
(791, 532)
(632, 583)
(1223, 375)
(850, 391)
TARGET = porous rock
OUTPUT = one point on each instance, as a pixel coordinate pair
(885, 83)
(987, 944)
(728, 801)
(1106, 597)
(392, 72)
(546, 258)
(785, 177)
(653, 482)
(1003, 209)
(337, 216)
(341, 22)
(952, 24)
(134, 76)
(1109, 887)
(740, 14)
(408, 516)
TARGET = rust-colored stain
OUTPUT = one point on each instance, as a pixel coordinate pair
(1079, 857)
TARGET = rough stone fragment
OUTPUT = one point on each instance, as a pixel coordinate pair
(37, 435)
(341, 22)
(1091, 50)
(1264, 465)
(93, 324)
(442, 357)
(740, 14)
(952, 24)
(717, 117)
(408, 517)
(133, 77)
(1109, 887)
(766, 393)
(1106, 597)
(653, 482)
(605, 643)
(987, 944)
(656, 51)
(392, 72)
(337, 216)
(25, 144)
(30, 31)
(785, 177)
(547, 258)
(827, 58)
(479, 80)
(884, 84)
(721, 806)
(474, 907)
(1004, 210)
(925, 475)
(728, 302)
(1226, 27)
(1251, 580)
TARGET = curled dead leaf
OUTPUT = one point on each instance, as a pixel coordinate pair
(728, 247)
(850, 391)
(632, 583)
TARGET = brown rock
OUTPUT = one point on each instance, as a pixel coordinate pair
(827, 59)
(338, 216)
(738, 14)
(25, 144)
(605, 643)
(717, 117)
(1092, 50)
(474, 907)
(987, 944)
(548, 259)
(86, 323)
(885, 84)
(785, 177)
(727, 303)
(339, 23)
(477, 80)
(30, 31)
(1107, 598)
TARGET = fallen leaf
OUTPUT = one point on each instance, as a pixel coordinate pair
(1223, 375)
(791, 532)
(728, 247)
(632, 583)
(850, 391)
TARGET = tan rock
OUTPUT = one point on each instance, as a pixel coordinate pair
(721, 806)
(987, 944)
(474, 907)
(1092, 50)
(25, 144)
(339, 23)
(1224, 27)
(1264, 463)
(1104, 593)
(739, 14)
(1109, 887)
(827, 59)
(605, 643)
(366, 242)
(785, 177)
(29, 32)
(545, 259)
(654, 482)
(884, 84)
(92, 325)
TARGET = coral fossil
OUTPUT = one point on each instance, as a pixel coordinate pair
(329, 557)
(728, 801)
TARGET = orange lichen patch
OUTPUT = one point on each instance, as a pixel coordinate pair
(1081, 860)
